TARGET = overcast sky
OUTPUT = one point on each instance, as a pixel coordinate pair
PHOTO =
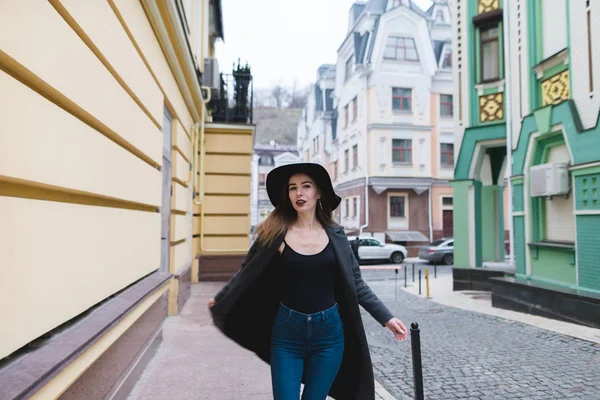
(284, 40)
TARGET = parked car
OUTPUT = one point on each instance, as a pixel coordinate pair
(372, 249)
(439, 251)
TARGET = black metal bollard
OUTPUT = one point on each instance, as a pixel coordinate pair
(396, 294)
(415, 341)
(435, 270)
(419, 281)
(405, 273)
(413, 272)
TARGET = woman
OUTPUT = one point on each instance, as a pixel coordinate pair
(295, 300)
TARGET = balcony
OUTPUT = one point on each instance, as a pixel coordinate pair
(234, 102)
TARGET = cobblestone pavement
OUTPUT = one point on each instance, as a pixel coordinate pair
(468, 355)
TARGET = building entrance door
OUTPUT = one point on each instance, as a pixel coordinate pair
(448, 221)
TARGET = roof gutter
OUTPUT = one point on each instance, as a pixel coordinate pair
(167, 27)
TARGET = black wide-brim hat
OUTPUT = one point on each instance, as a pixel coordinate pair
(278, 178)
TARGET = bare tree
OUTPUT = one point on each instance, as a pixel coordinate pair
(262, 97)
(279, 94)
(299, 96)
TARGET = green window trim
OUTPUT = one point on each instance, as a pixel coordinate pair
(536, 52)
(478, 55)
(557, 69)
(474, 49)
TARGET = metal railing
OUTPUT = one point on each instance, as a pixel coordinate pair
(235, 101)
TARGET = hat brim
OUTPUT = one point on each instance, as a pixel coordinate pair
(278, 178)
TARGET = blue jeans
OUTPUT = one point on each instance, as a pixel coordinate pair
(305, 344)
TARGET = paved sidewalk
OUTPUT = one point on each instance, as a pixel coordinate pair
(441, 292)
(195, 361)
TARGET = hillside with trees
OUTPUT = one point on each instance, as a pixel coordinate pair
(277, 111)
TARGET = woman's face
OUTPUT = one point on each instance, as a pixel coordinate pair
(303, 193)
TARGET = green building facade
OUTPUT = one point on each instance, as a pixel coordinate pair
(524, 76)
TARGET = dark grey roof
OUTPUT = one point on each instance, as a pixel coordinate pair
(429, 11)
(328, 100)
(376, 6)
(324, 67)
(219, 20)
(373, 38)
(360, 47)
(357, 9)
(438, 45)
(318, 98)
(327, 71)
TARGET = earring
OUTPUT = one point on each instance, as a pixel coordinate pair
(320, 204)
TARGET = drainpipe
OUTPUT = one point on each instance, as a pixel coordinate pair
(430, 223)
(508, 112)
(366, 118)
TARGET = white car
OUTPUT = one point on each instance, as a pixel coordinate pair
(370, 248)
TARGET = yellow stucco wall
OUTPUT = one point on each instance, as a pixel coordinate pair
(226, 179)
(84, 90)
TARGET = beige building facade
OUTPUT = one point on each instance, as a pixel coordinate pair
(118, 189)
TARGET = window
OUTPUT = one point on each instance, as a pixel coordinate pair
(354, 108)
(347, 207)
(446, 105)
(447, 62)
(490, 64)
(400, 49)
(401, 99)
(447, 201)
(262, 179)
(370, 243)
(447, 154)
(346, 117)
(401, 150)
(346, 160)
(266, 160)
(315, 145)
(355, 156)
(354, 206)
(397, 206)
(335, 171)
(349, 67)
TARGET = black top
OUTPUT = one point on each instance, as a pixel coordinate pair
(310, 280)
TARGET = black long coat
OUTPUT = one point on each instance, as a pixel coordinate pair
(246, 306)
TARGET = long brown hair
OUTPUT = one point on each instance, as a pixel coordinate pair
(284, 215)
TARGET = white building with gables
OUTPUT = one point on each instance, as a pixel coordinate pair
(391, 147)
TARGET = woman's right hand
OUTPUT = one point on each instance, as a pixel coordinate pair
(211, 303)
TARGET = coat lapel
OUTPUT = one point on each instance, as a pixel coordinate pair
(341, 247)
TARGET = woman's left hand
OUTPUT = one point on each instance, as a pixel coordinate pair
(398, 328)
